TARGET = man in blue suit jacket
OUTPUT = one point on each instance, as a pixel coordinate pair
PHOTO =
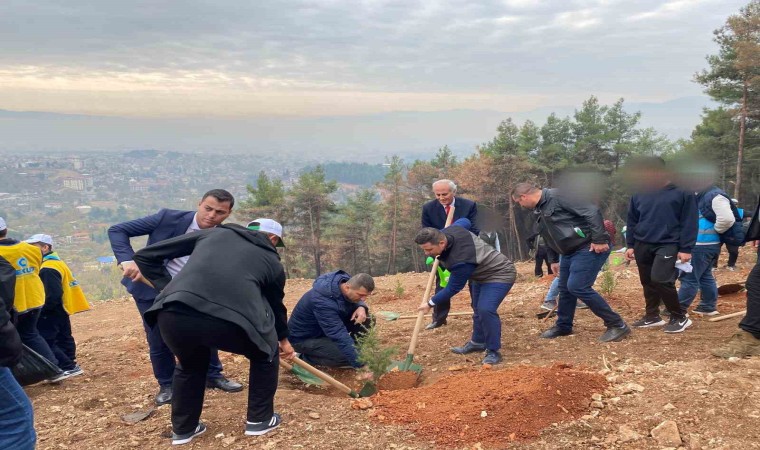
(215, 206)
(434, 215)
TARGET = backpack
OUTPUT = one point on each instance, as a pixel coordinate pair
(735, 235)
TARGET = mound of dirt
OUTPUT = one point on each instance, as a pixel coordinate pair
(397, 380)
(491, 407)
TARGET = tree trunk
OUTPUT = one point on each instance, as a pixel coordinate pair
(742, 131)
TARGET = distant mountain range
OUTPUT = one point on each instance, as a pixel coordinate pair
(361, 138)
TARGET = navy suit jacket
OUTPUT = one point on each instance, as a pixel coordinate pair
(433, 214)
(165, 224)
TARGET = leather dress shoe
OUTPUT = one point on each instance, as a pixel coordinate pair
(469, 347)
(555, 332)
(164, 396)
(224, 384)
(615, 334)
(435, 324)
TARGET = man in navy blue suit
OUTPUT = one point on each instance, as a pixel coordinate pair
(434, 215)
(215, 206)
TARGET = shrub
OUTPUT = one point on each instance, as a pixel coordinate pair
(372, 353)
(399, 288)
(608, 283)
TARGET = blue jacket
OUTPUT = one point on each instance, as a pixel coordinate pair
(323, 311)
(434, 216)
(665, 216)
(165, 224)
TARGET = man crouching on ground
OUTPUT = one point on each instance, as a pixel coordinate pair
(491, 276)
(327, 319)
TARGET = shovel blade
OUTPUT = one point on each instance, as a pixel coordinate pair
(369, 389)
(405, 365)
(389, 315)
(306, 376)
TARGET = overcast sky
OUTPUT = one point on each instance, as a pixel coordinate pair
(328, 57)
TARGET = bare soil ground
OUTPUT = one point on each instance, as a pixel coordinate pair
(651, 377)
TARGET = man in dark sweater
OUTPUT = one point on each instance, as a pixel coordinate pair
(229, 296)
(661, 230)
(16, 415)
(328, 318)
(490, 274)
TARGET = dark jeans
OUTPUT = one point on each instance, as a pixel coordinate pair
(577, 274)
(55, 328)
(30, 335)
(193, 337)
(440, 310)
(486, 324)
(161, 356)
(323, 351)
(542, 256)
(751, 321)
(733, 255)
(657, 272)
(700, 279)
(16, 415)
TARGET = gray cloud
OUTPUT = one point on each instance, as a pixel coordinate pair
(644, 49)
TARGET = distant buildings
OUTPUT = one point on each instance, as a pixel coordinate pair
(80, 183)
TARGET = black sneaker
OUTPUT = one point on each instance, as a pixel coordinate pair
(555, 332)
(615, 334)
(492, 357)
(469, 347)
(649, 322)
(261, 428)
(677, 324)
(179, 439)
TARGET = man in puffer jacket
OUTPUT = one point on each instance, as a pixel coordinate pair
(327, 319)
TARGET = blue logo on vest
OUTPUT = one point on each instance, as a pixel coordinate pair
(23, 263)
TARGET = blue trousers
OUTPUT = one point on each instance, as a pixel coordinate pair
(553, 293)
(486, 324)
(700, 279)
(577, 274)
(16, 415)
(161, 357)
(30, 335)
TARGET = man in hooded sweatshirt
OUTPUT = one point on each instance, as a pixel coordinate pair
(327, 319)
(229, 296)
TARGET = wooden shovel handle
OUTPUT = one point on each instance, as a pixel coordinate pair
(728, 316)
(451, 314)
(426, 296)
(323, 376)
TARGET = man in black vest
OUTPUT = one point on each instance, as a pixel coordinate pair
(434, 215)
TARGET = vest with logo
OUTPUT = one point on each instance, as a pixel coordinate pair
(707, 234)
(74, 300)
(26, 259)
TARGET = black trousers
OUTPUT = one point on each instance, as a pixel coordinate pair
(733, 255)
(542, 256)
(323, 351)
(440, 310)
(55, 328)
(657, 272)
(751, 321)
(191, 336)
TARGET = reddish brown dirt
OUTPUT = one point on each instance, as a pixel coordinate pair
(518, 403)
(394, 381)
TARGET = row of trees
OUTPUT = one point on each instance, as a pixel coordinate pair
(373, 230)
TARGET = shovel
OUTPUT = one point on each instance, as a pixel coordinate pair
(368, 389)
(302, 374)
(407, 364)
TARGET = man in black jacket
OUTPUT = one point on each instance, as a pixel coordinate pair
(17, 431)
(574, 228)
(434, 215)
(661, 229)
(228, 297)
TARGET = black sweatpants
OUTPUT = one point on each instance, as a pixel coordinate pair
(542, 256)
(191, 336)
(733, 255)
(751, 321)
(323, 351)
(657, 272)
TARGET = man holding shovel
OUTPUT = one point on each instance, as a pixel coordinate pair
(491, 276)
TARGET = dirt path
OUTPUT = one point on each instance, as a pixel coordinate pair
(715, 403)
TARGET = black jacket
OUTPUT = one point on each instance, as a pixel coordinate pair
(10, 342)
(434, 215)
(665, 216)
(234, 274)
(561, 221)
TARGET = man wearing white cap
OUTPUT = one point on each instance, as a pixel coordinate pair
(30, 294)
(229, 296)
(63, 297)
